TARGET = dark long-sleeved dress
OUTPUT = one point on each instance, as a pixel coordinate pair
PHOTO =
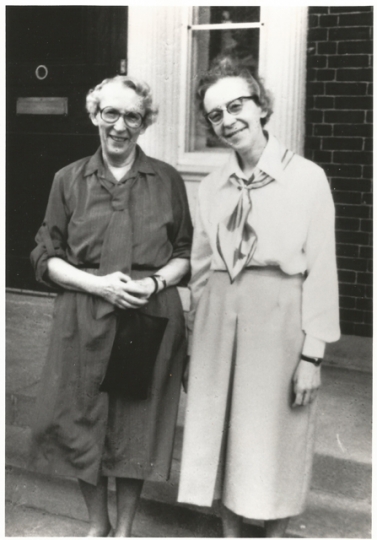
(79, 431)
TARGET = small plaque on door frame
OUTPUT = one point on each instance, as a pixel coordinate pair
(42, 105)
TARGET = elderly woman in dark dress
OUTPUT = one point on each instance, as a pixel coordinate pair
(113, 220)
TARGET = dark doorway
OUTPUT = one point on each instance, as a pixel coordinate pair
(52, 52)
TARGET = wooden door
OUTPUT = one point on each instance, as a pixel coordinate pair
(52, 52)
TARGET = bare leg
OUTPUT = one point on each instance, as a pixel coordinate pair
(128, 495)
(231, 523)
(96, 502)
(276, 528)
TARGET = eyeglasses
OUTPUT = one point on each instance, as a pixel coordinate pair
(131, 119)
(234, 107)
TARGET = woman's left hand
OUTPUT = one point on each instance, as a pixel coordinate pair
(306, 382)
(142, 288)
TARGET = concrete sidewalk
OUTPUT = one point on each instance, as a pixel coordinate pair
(340, 499)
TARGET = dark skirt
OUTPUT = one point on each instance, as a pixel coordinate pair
(81, 432)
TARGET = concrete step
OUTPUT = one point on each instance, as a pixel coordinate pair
(38, 505)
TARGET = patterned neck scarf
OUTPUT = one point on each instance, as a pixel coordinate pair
(236, 238)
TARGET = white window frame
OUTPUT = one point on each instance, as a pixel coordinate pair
(159, 52)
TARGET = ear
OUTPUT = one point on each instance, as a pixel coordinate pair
(263, 113)
(93, 118)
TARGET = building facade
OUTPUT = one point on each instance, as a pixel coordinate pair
(317, 62)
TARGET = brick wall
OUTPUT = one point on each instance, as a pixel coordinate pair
(339, 138)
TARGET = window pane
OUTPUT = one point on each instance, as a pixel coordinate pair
(206, 45)
(222, 14)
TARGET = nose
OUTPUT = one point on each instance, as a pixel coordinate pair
(228, 119)
(120, 124)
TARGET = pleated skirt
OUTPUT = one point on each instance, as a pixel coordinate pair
(243, 441)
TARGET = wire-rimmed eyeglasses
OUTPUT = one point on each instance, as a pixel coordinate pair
(234, 107)
(132, 119)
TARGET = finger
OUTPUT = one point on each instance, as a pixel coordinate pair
(298, 399)
(124, 277)
(307, 398)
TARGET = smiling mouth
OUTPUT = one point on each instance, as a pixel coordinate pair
(118, 139)
(229, 135)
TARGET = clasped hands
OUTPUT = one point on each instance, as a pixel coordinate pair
(124, 292)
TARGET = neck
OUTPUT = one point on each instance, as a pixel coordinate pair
(121, 161)
(249, 158)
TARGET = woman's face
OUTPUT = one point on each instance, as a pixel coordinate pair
(243, 131)
(118, 140)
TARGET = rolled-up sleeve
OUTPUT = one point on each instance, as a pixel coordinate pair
(51, 238)
(180, 233)
(320, 309)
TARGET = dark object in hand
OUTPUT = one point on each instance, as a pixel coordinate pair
(134, 353)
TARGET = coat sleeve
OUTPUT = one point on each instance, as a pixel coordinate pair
(201, 257)
(51, 238)
(320, 309)
(180, 232)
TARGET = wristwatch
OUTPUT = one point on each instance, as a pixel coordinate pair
(316, 361)
(159, 280)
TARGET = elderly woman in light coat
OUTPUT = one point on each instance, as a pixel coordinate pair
(264, 303)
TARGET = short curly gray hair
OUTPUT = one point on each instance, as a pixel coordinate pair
(141, 88)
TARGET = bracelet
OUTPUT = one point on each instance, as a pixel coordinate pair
(163, 281)
(155, 285)
(315, 361)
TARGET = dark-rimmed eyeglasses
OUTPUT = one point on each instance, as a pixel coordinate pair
(110, 115)
(234, 107)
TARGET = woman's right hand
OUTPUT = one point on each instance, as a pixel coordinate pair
(113, 289)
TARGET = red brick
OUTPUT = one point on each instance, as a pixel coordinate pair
(365, 330)
(348, 61)
(355, 211)
(344, 250)
(328, 20)
(347, 197)
(346, 89)
(368, 145)
(355, 74)
(320, 10)
(358, 238)
(347, 34)
(370, 265)
(347, 302)
(368, 291)
(315, 61)
(369, 117)
(367, 225)
(366, 252)
(347, 224)
(327, 47)
(317, 34)
(313, 21)
(362, 102)
(365, 278)
(354, 9)
(315, 88)
(353, 157)
(353, 130)
(346, 289)
(346, 263)
(353, 47)
(322, 157)
(323, 102)
(370, 89)
(367, 198)
(314, 116)
(368, 317)
(346, 276)
(338, 143)
(326, 75)
(364, 304)
(357, 19)
(368, 172)
(351, 315)
(323, 130)
(348, 171)
(347, 328)
(313, 143)
(344, 117)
